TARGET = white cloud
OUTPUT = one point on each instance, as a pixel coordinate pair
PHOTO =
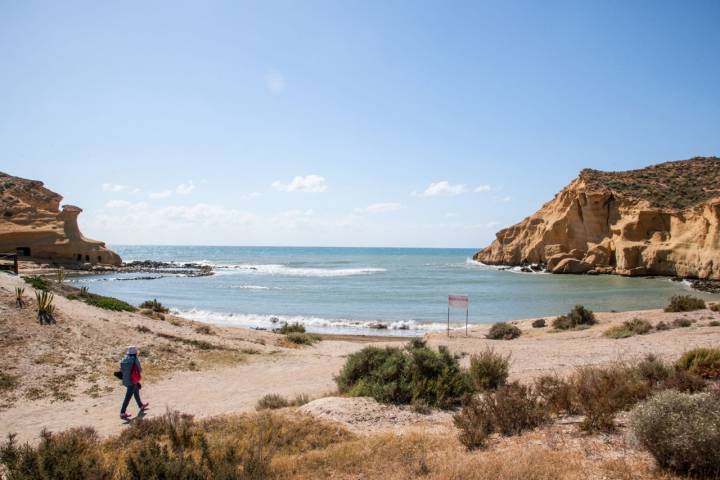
(118, 204)
(482, 188)
(185, 188)
(504, 199)
(380, 208)
(143, 216)
(451, 215)
(275, 82)
(163, 194)
(111, 187)
(308, 183)
(443, 188)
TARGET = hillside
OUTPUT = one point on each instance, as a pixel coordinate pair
(34, 225)
(659, 220)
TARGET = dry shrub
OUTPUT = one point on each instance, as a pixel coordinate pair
(704, 362)
(715, 307)
(681, 322)
(68, 455)
(503, 331)
(629, 328)
(510, 410)
(539, 323)
(662, 325)
(557, 394)
(685, 303)
(579, 316)
(682, 431)
(489, 370)
(601, 392)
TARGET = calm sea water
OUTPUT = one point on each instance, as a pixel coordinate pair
(348, 289)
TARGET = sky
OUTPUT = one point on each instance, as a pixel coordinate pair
(345, 123)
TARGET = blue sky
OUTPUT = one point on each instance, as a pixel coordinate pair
(345, 123)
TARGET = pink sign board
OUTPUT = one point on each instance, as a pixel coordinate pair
(458, 301)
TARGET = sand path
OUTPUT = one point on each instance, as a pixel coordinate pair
(210, 392)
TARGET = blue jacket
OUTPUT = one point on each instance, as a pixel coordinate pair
(126, 368)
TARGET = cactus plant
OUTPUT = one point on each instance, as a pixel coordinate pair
(19, 299)
(46, 309)
(60, 275)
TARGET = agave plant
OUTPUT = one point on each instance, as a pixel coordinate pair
(19, 299)
(84, 291)
(46, 310)
(60, 275)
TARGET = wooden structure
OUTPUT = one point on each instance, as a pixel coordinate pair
(12, 257)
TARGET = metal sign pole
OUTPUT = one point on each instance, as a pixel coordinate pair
(448, 330)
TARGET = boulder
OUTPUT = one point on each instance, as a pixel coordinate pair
(572, 265)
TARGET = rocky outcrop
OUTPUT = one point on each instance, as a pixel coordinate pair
(660, 220)
(33, 225)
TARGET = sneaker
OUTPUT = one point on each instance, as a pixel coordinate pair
(144, 406)
(125, 416)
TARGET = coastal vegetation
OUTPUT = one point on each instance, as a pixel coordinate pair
(578, 317)
(629, 328)
(704, 362)
(36, 282)
(503, 331)
(19, 297)
(685, 303)
(108, 303)
(274, 401)
(295, 334)
(410, 375)
(154, 306)
(539, 323)
(681, 431)
(45, 307)
(489, 370)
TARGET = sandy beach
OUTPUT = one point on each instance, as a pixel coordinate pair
(65, 380)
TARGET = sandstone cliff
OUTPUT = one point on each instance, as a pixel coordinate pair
(659, 220)
(32, 224)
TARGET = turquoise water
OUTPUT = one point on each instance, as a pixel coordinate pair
(347, 289)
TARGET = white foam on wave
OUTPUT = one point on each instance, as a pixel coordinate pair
(250, 287)
(284, 270)
(501, 268)
(271, 321)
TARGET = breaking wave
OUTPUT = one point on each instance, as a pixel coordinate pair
(284, 270)
(313, 323)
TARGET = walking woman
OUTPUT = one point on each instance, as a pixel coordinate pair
(131, 370)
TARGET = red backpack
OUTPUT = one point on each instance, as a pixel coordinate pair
(135, 374)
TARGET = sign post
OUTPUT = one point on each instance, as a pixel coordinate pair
(460, 302)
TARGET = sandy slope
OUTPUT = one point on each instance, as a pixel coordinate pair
(209, 383)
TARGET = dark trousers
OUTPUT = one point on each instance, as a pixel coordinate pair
(132, 391)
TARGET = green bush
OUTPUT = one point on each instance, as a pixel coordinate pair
(8, 382)
(539, 323)
(489, 370)
(704, 362)
(503, 331)
(661, 325)
(407, 375)
(681, 322)
(682, 431)
(302, 338)
(629, 328)
(685, 303)
(286, 328)
(38, 283)
(271, 401)
(510, 410)
(108, 303)
(155, 306)
(578, 316)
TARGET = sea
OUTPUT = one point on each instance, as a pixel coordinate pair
(378, 291)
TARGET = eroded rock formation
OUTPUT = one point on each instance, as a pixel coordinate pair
(660, 220)
(33, 224)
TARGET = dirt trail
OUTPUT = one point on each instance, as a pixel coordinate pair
(210, 392)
